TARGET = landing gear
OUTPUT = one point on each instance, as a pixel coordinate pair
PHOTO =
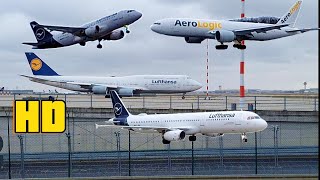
(240, 46)
(244, 137)
(99, 46)
(192, 138)
(221, 47)
(127, 29)
(82, 43)
(183, 96)
(165, 141)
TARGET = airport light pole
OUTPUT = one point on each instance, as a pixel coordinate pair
(242, 87)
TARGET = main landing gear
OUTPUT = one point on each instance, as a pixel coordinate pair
(99, 46)
(82, 43)
(183, 96)
(240, 46)
(127, 29)
(244, 137)
(221, 47)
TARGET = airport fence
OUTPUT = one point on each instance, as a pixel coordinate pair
(83, 151)
(299, 102)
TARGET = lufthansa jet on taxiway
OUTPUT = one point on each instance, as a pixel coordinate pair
(235, 30)
(175, 127)
(125, 86)
(106, 28)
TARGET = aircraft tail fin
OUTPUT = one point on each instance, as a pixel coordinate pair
(39, 67)
(120, 110)
(291, 16)
(40, 32)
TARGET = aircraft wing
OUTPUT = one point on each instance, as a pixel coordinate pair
(259, 29)
(303, 30)
(73, 30)
(156, 128)
(110, 87)
(248, 31)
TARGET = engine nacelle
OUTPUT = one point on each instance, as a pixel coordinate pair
(193, 40)
(115, 35)
(92, 31)
(214, 134)
(99, 89)
(125, 92)
(175, 135)
(225, 36)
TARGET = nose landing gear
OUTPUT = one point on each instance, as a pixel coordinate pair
(127, 29)
(244, 137)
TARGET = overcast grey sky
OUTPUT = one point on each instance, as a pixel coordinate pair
(279, 64)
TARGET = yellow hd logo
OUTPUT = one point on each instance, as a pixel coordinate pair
(36, 64)
(39, 116)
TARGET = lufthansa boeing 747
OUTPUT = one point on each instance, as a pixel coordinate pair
(234, 30)
(175, 127)
(106, 28)
(125, 86)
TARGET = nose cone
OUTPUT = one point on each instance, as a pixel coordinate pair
(262, 124)
(153, 27)
(197, 85)
(156, 27)
(138, 15)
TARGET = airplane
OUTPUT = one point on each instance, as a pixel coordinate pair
(126, 86)
(233, 30)
(106, 28)
(175, 127)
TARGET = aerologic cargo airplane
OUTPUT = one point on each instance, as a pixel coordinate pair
(175, 127)
(125, 86)
(106, 28)
(234, 30)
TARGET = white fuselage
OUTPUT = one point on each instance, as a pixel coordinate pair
(106, 26)
(186, 27)
(206, 123)
(145, 83)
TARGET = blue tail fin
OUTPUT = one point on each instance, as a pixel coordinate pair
(120, 111)
(40, 33)
(39, 67)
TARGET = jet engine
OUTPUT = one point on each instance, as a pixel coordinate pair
(175, 135)
(225, 36)
(92, 31)
(193, 40)
(214, 134)
(99, 89)
(115, 35)
(125, 92)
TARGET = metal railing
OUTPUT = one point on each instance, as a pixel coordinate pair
(215, 102)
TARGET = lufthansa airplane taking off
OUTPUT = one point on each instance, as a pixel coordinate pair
(125, 86)
(234, 30)
(175, 127)
(106, 28)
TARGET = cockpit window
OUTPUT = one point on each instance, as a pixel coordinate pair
(130, 11)
(157, 23)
